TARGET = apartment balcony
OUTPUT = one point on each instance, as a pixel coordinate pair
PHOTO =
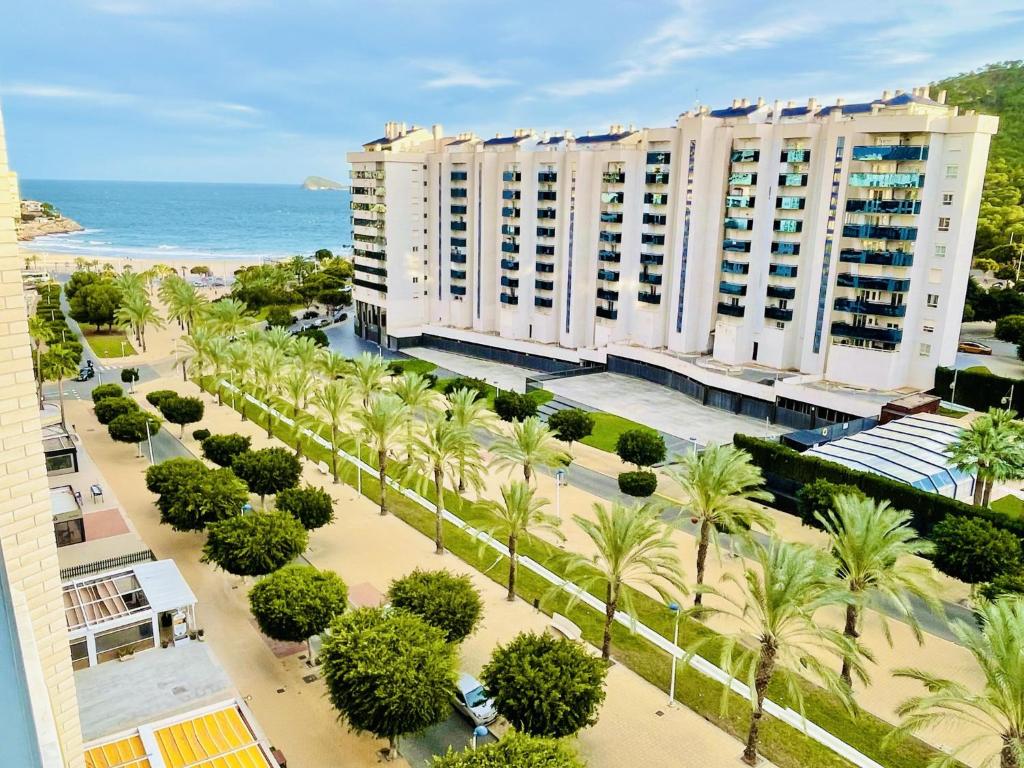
(510, 229)
(607, 313)
(458, 290)
(786, 249)
(613, 198)
(736, 246)
(613, 177)
(745, 155)
(781, 292)
(735, 267)
(378, 271)
(735, 310)
(608, 275)
(363, 253)
(460, 176)
(458, 274)
(380, 287)
(650, 278)
(892, 284)
(660, 177)
(657, 157)
(790, 203)
(782, 270)
(891, 153)
(509, 282)
(655, 198)
(610, 237)
(870, 333)
(649, 298)
(795, 156)
(610, 256)
(612, 217)
(543, 266)
(778, 313)
(861, 307)
(458, 242)
(650, 238)
(544, 285)
(543, 301)
(897, 207)
(511, 194)
(459, 226)
(732, 289)
(652, 258)
(742, 179)
(510, 213)
(379, 175)
(791, 226)
(458, 258)
(875, 232)
(372, 191)
(792, 179)
(547, 177)
(372, 239)
(510, 264)
(655, 218)
(545, 231)
(740, 201)
(545, 250)
(507, 247)
(881, 258)
(887, 180)
(459, 192)
(547, 194)
(546, 213)
(459, 210)
(739, 222)
(511, 176)
(371, 207)
(605, 294)
(509, 298)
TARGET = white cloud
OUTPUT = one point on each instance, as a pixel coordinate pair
(168, 7)
(64, 93)
(454, 75)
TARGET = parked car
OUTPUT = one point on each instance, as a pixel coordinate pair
(309, 314)
(974, 348)
(341, 318)
(471, 700)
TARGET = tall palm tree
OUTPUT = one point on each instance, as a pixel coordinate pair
(218, 352)
(720, 486)
(239, 364)
(418, 393)
(131, 282)
(333, 402)
(267, 364)
(530, 444)
(519, 515)
(634, 549)
(41, 334)
(334, 365)
(229, 316)
(296, 385)
(997, 708)
(57, 364)
(369, 373)
(184, 303)
(878, 553)
(137, 312)
(385, 423)
(440, 447)
(781, 589)
(992, 449)
(194, 352)
(279, 338)
(303, 423)
(305, 352)
(467, 409)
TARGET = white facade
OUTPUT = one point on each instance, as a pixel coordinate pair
(793, 237)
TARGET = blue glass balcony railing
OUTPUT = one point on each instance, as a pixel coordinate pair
(650, 278)
(786, 249)
(459, 176)
(887, 180)
(735, 267)
(459, 192)
(510, 213)
(611, 216)
(736, 246)
(458, 290)
(547, 194)
(608, 275)
(882, 258)
(508, 298)
(653, 198)
(510, 247)
(655, 218)
(907, 207)
(458, 258)
(547, 177)
(788, 225)
(735, 310)
(510, 264)
(742, 179)
(792, 179)
(459, 242)
(610, 237)
(778, 313)
(861, 307)
(543, 266)
(458, 210)
(875, 232)
(781, 292)
(891, 153)
(652, 258)
(782, 270)
(607, 313)
(739, 201)
(738, 222)
(510, 229)
(545, 250)
(659, 158)
(545, 231)
(870, 333)
(509, 282)
(459, 226)
(733, 289)
(607, 294)
(544, 285)
(610, 256)
(651, 238)
(789, 203)
(511, 176)
(546, 213)
(458, 274)
(795, 156)
(648, 297)
(745, 155)
(511, 194)
(543, 301)
(892, 284)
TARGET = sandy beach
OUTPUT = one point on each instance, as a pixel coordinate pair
(65, 262)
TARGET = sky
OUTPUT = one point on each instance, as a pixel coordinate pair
(276, 90)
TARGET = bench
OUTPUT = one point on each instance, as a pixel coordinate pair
(564, 627)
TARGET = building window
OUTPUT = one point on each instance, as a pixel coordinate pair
(928, 328)
(943, 224)
(415, 248)
(933, 300)
(952, 171)
(940, 251)
(947, 198)
(925, 349)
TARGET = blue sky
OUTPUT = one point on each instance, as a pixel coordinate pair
(275, 90)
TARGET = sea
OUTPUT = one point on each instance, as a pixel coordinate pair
(193, 221)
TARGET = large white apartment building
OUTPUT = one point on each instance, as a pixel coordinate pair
(832, 242)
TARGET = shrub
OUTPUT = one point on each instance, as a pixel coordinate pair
(311, 506)
(1004, 584)
(442, 599)
(222, 449)
(191, 495)
(465, 382)
(157, 396)
(110, 408)
(817, 497)
(279, 316)
(319, 337)
(1010, 328)
(571, 424)
(297, 602)
(515, 750)
(200, 434)
(255, 544)
(974, 550)
(640, 484)
(104, 391)
(160, 477)
(512, 406)
(128, 375)
(640, 447)
(979, 390)
(131, 427)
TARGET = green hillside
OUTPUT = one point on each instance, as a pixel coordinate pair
(997, 89)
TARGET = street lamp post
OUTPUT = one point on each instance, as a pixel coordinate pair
(149, 439)
(674, 607)
(478, 733)
(359, 466)
(122, 349)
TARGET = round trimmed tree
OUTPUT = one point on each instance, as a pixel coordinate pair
(571, 424)
(546, 686)
(103, 391)
(222, 449)
(267, 471)
(640, 447)
(296, 602)
(191, 495)
(389, 673)
(157, 396)
(446, 601)
(254, 544)
(182, 410)
(515, 750)
(109, 408)
(132, 427)
(311, 506)
(973, 550)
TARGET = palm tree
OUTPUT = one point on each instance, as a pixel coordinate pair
(305, 352)
(441, 448)
(333, 402)
(418, 393)
(41, 334)
(279, 338)
(184, 303)
(130, 282)
(996, 709)
(240, 365)
(218, 352)
(296, 385)
(992, 449)
(385, 423)
(467, 409)
(519, 515)
(634, 549)
(878, 555)
(334, 365)
(782, 587)
(267, 365)
(136, 312)
(368, 376)
(229, 316)
(531, 444)
(720, 486)
(57, 364)
(194, 348)
(303, 423)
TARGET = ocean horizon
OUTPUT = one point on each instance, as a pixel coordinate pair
(192, 220)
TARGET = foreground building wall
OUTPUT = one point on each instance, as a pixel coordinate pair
(832, 241)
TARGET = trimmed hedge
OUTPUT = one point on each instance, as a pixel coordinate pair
(978, 390)
(928, 509)
(103, 391)
(639, 484)
(157, 396)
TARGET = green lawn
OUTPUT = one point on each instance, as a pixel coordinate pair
(415, 365)
(977, 369)
(108, 344)
(1010, 506)
(952, 413)
(293, 308)
(607, 428)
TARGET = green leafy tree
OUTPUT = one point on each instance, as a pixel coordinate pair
(222, 449)
(96, 304)
(385, 427)
(481, 387)
(640, 484)
(109, 408)
(316, 335)
(818, 497)
(296, 602)
(157, 396)
(992, 449)
(546, 686)
(720, 489)
(40, 333)
(163, 476)
(103, 391)
(280, 317)
(640, 447)
(182, 411)
(136, 312)
(571, 424)
(130, 376)
(1004, 584)
(973, 550)
(446, 601)
(515, 750)
(518, 516)
(1010, 328)
(529, 444)
(633, 548)
(513, 406)
(79, 280)
(995, 643)
(311, 506)
(267, 471)
(56, 364)
(255, 544)
(389, 673)
(191, 495)
(131, 427)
